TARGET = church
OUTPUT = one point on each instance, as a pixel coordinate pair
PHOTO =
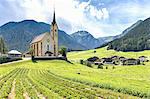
(46, 44)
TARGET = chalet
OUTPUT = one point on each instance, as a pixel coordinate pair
(143, 59)
(92, 59)
(108, 60)
(115, 57)
(14, 54)
(131, 61)
(122, 58)
(98, 63)
(27, 54)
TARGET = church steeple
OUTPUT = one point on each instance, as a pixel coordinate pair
(54, 36)
(54, 19)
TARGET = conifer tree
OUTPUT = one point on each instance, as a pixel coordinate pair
(3, 48)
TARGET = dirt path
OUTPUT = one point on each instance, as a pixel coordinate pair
(12, 94)
(26, 96)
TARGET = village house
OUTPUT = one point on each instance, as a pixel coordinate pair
(92, 59)
(131, 61)
(107, 60)
(46, 44)
(14, 54)
(143, 59)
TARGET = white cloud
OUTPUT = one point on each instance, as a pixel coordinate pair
(73, 15)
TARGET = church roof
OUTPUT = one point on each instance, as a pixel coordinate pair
(39, 38)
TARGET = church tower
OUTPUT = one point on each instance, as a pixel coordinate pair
(54, 36)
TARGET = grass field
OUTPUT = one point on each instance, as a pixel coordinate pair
(58, 79)
(103, 52)
(52, 80)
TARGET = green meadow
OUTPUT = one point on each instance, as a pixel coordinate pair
(103, 52)
(58, 79)
(52, 80)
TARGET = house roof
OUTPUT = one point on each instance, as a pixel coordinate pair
(39, 38)
(142, 57)
(14, 52)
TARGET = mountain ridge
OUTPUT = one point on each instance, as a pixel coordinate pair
(24, 31)
(135, 39)
(86, 39)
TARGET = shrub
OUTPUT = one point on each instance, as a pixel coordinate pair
(94, 51)
(106, 67)
(7, 59)
(100, 66)
(113, 67)
(81, 62)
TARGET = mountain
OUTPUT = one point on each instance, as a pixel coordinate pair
(86, 39)
(135, 38)
(107, 39)
(111, 38)
(18, 35)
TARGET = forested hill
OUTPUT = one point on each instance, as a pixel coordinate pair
(135, 39)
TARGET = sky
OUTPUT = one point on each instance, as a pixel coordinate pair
(99, 17)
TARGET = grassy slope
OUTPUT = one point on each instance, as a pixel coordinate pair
(131, 77)
(102, 52)
(70, 71)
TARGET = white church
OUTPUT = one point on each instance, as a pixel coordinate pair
(46, 44)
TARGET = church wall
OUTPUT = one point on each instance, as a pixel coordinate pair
(45, 43)
(41, 47)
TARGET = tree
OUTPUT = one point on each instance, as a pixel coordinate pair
(31, 50)
(3, 48)
(63, 51)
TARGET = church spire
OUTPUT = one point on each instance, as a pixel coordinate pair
(54, 18)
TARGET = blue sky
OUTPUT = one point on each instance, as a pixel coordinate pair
(99, 17)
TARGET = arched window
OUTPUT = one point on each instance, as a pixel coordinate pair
(41, 48)
(47, 47)
(37, 49)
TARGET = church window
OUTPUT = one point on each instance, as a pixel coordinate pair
(34, 49)
(41, 49)
(47, 47)
(37, 49)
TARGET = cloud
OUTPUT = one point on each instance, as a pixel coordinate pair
(99, 17)
(9, 12)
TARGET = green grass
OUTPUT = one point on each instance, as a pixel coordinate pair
(103, 52)
(53, 79)
(59, 79)
(134, 80)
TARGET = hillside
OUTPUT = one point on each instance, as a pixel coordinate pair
(108, 39)
(18, 35)
(103, 52)
(59, 79)
(86, 39)
(136, 38)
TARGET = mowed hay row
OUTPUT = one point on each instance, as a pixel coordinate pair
(45, 82)
(70, 89)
